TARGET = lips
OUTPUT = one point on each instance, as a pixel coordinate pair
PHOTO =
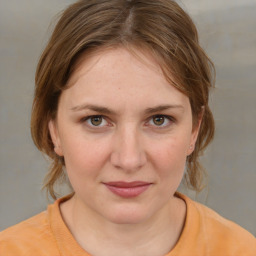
(127, 189)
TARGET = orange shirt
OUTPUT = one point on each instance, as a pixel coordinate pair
(205, 233)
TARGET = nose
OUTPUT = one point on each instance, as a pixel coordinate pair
(128, 152)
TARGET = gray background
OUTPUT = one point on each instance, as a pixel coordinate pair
(228, 33)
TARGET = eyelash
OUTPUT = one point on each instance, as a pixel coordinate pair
(166, 118)
(170, 119)
(89, 118)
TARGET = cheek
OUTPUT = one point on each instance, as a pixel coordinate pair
(85, 156)
(84, 164)
(170, 156)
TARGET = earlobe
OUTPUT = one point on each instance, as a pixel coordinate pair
(195, 133)
(55, 137)
(193, 141)
(191, 149)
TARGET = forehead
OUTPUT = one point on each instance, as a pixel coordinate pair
(119, 76)
(101, 58)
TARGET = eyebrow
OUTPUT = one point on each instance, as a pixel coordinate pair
(95, 108)
(162, 108)
(105, 110)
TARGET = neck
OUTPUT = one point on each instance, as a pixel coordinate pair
(98, 236)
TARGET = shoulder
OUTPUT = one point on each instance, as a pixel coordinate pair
(222, 234)
(29, 237)
(217, 224)
(31, 225)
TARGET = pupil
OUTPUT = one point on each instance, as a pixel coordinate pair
(158, 120)
(96, 120)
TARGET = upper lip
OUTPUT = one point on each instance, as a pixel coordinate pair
(124, 184)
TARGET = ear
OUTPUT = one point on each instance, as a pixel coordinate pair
(53, 129)
(195, 132)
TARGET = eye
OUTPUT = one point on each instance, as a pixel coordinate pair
(96, 121)
(160, 120)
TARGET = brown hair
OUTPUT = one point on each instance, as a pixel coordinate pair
(160, 26)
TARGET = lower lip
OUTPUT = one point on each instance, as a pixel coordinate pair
(128, 192)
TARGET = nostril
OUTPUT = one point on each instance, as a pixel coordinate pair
(128, 162)
(128, 151)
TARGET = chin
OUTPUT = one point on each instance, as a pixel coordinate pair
(128, 215)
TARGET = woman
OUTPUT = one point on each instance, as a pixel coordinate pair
(121, 107)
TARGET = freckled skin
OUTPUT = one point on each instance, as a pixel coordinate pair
(127, 145)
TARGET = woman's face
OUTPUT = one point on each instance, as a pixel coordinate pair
(125, 133)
